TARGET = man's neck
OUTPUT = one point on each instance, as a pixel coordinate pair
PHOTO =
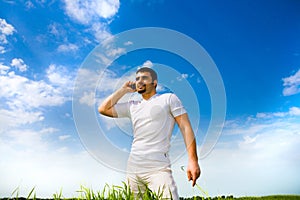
(148, 95)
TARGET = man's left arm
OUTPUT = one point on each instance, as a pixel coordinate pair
(193, 169)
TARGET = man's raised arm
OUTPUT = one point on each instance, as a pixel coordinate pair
(107, 106)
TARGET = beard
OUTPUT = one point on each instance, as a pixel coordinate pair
(142, 91)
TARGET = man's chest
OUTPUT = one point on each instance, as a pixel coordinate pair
(154, 112)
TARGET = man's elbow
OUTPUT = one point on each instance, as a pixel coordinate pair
(106, 112)
(101, 110)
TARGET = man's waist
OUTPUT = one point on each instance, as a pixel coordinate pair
(149, 156)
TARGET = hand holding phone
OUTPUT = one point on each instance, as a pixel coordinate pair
(132, 85)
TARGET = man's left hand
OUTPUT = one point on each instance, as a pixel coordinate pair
(193, 172)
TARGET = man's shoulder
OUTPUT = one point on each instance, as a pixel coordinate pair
(168, 95)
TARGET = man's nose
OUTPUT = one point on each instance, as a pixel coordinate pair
(140, 81)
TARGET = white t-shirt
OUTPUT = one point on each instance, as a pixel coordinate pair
(153, 122)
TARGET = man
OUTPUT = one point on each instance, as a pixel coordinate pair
(153, 120)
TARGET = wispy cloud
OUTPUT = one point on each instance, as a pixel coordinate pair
(293, 111)
(182, 77)
(11, 118)
(253, 125)
(96, 15)
(3, 68)
(5, 30)
(64, 137)
(86, 11)
(29, 5)
(67, 48)
(56, 29)
(291, 84)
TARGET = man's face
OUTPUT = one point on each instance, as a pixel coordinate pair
(144, 83)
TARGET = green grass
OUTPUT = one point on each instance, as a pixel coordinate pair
(271, 197)
(124, 192)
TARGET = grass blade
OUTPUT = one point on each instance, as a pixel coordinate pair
(29, 195)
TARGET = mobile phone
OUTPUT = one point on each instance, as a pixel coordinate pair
(133, 86)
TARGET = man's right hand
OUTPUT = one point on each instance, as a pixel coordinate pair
(107, 106)
(128, 86)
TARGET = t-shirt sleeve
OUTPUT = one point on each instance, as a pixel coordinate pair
(122, 109)
(176, 106)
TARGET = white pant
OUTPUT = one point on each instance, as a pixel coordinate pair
(155, 174)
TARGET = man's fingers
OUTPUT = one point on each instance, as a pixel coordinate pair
(194, 182)
(193, 176)
(189, 175)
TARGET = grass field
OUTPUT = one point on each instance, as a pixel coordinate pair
(273, 197)
(124, 192)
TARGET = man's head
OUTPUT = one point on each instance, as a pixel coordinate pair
(146, 80)
(151, 71)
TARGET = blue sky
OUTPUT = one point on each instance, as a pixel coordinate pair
(47, 49)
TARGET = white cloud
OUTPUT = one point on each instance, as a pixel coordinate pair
(59, 31)
(100, 31)
(294, 111)
(26, 139)
(19, 64)
(86, 11)
(116, 52)
(60, 76)
(29, 5)
(53, 29)
(128, 43)
(106, 80)
(182, 77)
(249, 140)
(88, 98)
(5, 30)
(271, 115)
(67, 48)
(21, 92)
(96, 14)
(23, 99)
(86, 79)
(291, 84)
(148, 64)
(2, 50)
(16, 117)
(3, 69)
(64, 137)
(48, 130)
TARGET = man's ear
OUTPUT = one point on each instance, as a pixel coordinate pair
(155, 83)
